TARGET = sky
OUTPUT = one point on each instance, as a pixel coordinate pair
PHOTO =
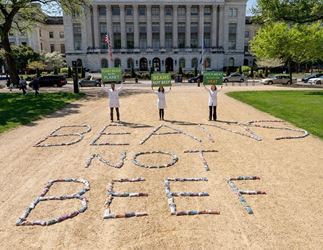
(251, 3)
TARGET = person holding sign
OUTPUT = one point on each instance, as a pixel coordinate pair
(212, 78)
(213, 99)
(114, 103)
(161, 101)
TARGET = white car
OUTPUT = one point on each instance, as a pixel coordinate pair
(318, 80)
(277, 79)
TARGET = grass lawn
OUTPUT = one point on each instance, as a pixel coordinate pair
(16, 109)
(304, 109)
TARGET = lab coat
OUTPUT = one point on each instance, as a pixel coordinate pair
(113, 96)
(213, 99)
(161, 101)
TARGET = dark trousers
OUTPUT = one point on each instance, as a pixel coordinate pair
(161, 114)
(212, 113)
(111, 114)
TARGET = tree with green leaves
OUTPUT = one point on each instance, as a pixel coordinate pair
(289, 44)
(54, 61)
(21, 15)
(291, 11)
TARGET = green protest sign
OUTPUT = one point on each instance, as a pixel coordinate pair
(163, 79)
(212, 78)
(111, 74)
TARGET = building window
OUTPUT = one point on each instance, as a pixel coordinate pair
(194, 11)
(77, 34)
(61, 34)
(130, 64)
(246, 48)
(103, 33)
(194, 35)
(207, 35)
(168, 35)
(116, 35)
(130, 35)
(168, 11)
(207, 11)
(182, 63)
(39, 32)
(155, 35)
(155, 11)
(181, 35)
(104, 63)
(52, 48)
(51, 34)
(194, 63)
(181, 11)
(231, 62)
(207, 63)
(117, 63)
(115, 10)
(128, 10)
(232, 36)
(233, 12)
(246, 34)
(63, 48)
(142, 11)
(41, 46)
(142, 35)
(102, 11)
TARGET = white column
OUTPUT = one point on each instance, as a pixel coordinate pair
(84, 33)
(109, 23)
(201, 25)
(162, 26)
(188, 27)
(88, 27)
(221, 26)
(241, 26)
(214, 25)
(175, 27)
(225, 26)
(123, 27)
(149, 27)
(96, 26)
(136, 26)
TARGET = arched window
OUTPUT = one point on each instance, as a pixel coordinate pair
(207, 63)
(231, 62)
(104, 63)
(182, 63)
(143, 64)
(195, 63)
(117, 63)
(130, 64)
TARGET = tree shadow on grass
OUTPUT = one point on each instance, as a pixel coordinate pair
(16, 109)
(315, 93)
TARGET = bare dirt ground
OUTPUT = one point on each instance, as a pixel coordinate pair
(290, 216)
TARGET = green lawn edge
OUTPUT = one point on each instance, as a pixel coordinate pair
(304, 109)
(17, 109)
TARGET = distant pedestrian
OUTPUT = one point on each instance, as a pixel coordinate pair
(161, 101)
(213, 101)
(36, 86)
(114, 103)
(23, 85)
(9, 84)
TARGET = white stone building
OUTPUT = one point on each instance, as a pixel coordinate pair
(46, 36)
(163, 35)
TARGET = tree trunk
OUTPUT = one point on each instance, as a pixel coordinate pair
(11, 64)
(290, 72)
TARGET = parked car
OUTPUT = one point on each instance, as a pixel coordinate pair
(50, 81)
(235, 77)
(277, 79)
(195, 79)
(318, 80)
(307, 78)
(90, 82)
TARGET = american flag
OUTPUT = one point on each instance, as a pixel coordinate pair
(108, 42)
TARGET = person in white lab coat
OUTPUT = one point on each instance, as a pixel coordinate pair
(113, 94)
(161, 101)
(213, 101)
